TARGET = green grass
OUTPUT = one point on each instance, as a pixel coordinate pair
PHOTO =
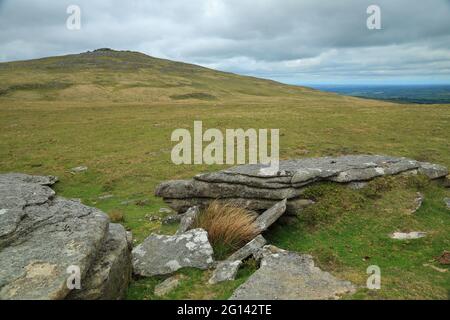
(117, 119)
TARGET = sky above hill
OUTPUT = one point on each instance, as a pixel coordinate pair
(293, 41)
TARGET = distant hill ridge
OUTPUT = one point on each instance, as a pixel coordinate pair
(107, 74)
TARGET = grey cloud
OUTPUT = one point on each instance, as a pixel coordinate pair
(290, 40)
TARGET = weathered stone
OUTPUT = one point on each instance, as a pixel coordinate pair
(249, 249)
(225, 271)
(79, 169)
(160, 254)
(109, 276)
(188, 219)
(21, 177)
(268, 217)
(417, 202)
(41, 236)
(285, 275)
(432, 171)
(408, 236)
(447, 203)
(168, 285)
(357, 185)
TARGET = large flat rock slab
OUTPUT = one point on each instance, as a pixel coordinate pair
(160, 254)
(285, 275)
(254, 186)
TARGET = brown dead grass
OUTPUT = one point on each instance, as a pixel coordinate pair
(228, 225)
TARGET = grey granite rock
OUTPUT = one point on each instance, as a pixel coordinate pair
(249, 249)
(285, 275)
(188, 219)
(110, 274)
(159, 254)
(225, 271)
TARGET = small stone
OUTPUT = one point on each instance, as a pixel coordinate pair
(447, 203)
(165, 210)
(225, 271)
(357, 185)
(168, 285)
(79, 169)
(408, 236)
(417, 202)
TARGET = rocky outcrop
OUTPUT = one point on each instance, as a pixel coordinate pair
(43, 236)
(252, 187)
(160, 254)
(268, 217)
(108, 277)
(285, 275)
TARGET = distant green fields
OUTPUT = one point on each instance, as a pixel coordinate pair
(114, 113)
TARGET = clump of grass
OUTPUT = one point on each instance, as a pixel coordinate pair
(228, 225)
(116, 216)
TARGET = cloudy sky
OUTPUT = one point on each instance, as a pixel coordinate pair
(293, 41)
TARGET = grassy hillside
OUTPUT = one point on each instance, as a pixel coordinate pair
(114, 112)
